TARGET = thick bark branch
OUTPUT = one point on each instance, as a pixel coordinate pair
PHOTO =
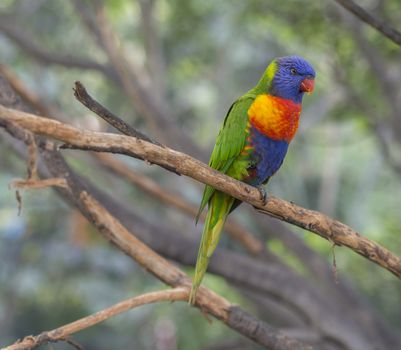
(313, 221)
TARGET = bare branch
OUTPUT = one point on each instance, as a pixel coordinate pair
(82, 96)
(310, 220)
(391, 33)
(61, 333)
(36, 184)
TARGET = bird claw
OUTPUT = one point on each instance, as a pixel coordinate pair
(263, 194)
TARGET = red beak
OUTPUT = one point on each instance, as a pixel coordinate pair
(307, 85)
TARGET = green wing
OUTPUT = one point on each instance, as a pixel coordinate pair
(230, 141)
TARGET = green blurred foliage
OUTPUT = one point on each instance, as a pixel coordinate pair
(213, 52)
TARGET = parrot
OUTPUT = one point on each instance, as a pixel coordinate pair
(252, 143)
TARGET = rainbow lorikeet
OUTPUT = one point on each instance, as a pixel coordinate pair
(252, 144)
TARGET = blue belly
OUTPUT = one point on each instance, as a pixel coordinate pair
(266, 157)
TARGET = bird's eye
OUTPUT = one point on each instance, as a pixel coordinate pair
(293, 71)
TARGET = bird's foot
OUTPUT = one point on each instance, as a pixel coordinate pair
(263, 194)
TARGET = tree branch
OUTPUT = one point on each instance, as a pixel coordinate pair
(82, 96)
(391, 33)
(313, 221)
(63, 332)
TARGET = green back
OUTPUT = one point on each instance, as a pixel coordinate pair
(232, 136)
(230, 141)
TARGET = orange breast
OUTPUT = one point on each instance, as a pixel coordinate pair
(275, 117)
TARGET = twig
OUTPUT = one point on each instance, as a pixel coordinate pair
(313, 221)
(38, 184)
(391, 33)
(62, 333)
(18, 197)
(82, 96)
(32, 159)
(73, 343)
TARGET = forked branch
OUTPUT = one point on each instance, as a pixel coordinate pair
(314, 221)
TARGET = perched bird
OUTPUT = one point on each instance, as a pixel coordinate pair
(252, 144)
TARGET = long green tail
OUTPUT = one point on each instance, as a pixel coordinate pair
(219, 207)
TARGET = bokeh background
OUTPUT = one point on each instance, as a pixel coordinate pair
(192, 58)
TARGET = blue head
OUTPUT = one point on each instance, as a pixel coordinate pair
(293, 76)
